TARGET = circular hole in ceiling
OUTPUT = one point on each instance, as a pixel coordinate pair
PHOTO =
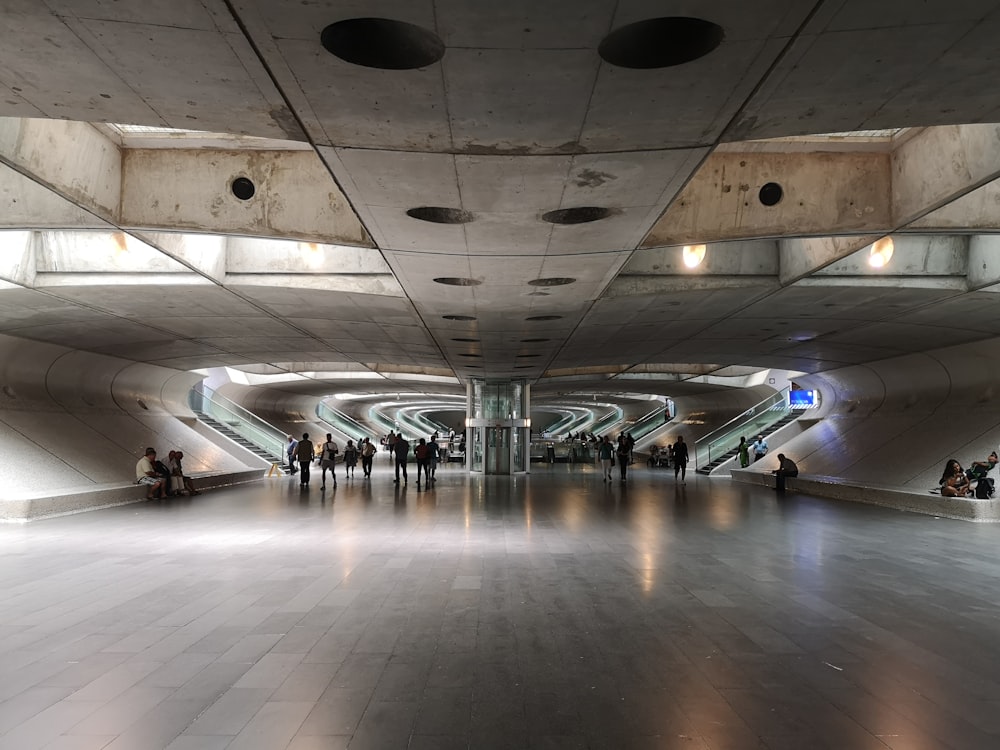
(9, 392)
(545, 317)
(243, 188)
(526, 356)
(440, 215)
(142, 404)
(771, 194)
(537, 294)
(472, 367)
(471, 356)
(578, 215)
(553, 281)
(458, 317)
(660, 42)
(382, 43)
(533, 341)
(523, 367)
(457, 281)
(469, 341)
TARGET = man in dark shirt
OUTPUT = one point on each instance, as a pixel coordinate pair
(680, 459)
(786, 468)
(401, 449)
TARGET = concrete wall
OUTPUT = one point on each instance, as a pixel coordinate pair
(895, 422)
(72, 420)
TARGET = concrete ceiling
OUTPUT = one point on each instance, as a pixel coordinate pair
(139, 246)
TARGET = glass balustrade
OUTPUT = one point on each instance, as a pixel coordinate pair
(244, 423)
(346, 424)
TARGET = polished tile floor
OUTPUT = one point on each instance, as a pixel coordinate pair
(555, 611)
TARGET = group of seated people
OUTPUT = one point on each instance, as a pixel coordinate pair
(660, 456)
(958, 482)
(163, 480)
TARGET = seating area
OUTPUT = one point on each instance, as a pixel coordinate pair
(25, 506)
(899, 498)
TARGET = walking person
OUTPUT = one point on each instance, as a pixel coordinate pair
(290, 449)
(744, 453)
(401, 450)
(350, 459)
(305, 452)
(622, 452)
(680, 459)
(328, 458)
(606, 454)
(432, 455)
(367, 455)
(423, 460)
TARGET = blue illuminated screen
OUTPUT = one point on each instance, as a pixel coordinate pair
(801, 399)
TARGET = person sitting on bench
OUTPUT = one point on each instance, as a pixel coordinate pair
(977, 473)
(953, 481)
(786, 468)
(145, 474)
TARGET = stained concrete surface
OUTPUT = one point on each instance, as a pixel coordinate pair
(550, 611)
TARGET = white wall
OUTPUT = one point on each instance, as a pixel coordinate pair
(897, 421)
(70, 420)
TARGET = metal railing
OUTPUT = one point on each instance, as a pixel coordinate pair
(753, 421)
(244, 423)
(349, 426)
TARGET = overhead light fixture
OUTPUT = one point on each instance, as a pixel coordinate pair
(121, 242)
(881, 253)
(693, 255)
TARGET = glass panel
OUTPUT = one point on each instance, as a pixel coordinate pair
(520, 441)
(477, 448)
(498, 450)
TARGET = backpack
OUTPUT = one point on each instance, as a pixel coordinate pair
(985, 488)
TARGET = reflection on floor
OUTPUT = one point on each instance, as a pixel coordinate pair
(550, 611)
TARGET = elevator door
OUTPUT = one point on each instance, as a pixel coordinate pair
(498, 450)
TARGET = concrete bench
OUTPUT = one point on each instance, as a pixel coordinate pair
(33, 506)
(899, 498)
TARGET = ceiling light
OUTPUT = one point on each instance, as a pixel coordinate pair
(881, 253)
(693, 255)
(121, 242)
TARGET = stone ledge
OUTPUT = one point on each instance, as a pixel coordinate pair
(32, 507)
(899, 498)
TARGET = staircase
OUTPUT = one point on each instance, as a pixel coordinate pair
(237, 438)
(790, 417)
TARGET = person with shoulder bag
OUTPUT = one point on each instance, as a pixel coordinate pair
(327, 460)
(367, 456)
(622, 454)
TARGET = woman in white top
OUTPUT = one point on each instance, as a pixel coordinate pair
(327, 458)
